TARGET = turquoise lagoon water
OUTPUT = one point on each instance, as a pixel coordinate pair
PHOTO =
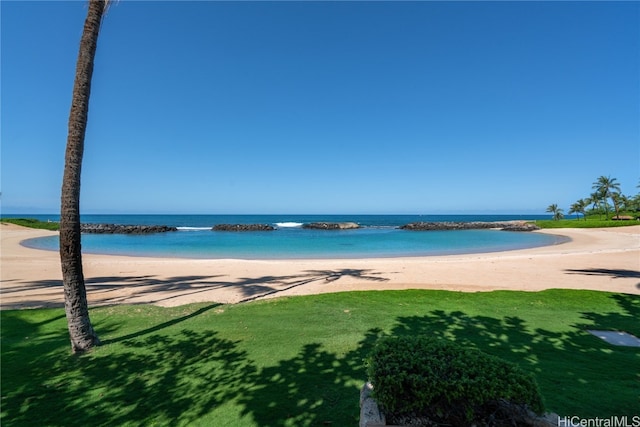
(378, 237)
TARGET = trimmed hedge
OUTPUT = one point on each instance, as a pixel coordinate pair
(439, 381)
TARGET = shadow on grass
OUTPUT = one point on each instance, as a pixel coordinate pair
(151, 289)
(181, 377)
(314, 388)
(161, 326)
(147, 379)
(610, 375)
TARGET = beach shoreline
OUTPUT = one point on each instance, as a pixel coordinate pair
(605, 259)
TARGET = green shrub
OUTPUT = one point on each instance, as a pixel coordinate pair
(438, 380)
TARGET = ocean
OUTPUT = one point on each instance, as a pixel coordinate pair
(378, 237)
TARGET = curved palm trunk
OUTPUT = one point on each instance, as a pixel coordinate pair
(81, 331)
(616, 205)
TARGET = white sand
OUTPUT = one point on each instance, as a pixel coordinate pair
(597, 259)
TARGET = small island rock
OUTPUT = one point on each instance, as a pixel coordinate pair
(500, 225)
(243, 227)
(124, 229)
(331, 225)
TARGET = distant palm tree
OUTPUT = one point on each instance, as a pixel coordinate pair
(556, 211)
(626, 203)
(583, 204)
(619, 202)
(596, 200)
(634, 203)
(81, 332)
(607, 186)
(579, 207)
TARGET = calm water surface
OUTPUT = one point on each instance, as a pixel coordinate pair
(378, 237)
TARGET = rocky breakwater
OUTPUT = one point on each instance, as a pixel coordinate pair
(331, 225)
(125, 229)
(243, 227)
(500, 225)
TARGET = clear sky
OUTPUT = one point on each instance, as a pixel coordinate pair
(324, 107)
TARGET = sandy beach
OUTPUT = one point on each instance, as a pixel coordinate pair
(596, 259)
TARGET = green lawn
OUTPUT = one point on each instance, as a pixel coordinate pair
(32, 223)
(591, 222)
(299, 361)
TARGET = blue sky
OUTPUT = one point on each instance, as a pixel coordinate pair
(324, 107)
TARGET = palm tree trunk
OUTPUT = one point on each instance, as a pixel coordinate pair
(616, 206)
(81, 332)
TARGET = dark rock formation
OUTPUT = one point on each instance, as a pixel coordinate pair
(503, 412)
(501, 225)
(331, 225)
(125, 229)
(520, 226)
(243, 227)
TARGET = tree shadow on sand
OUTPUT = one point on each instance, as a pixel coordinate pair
(151, 289)
(613, 273)
(285, 283)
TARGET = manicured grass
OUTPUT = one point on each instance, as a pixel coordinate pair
(299, 361)
(581, 223)
(32, 223)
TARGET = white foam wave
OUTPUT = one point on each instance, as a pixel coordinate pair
(288, 224)
(193, 228)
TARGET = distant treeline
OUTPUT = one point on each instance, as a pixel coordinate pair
(605, 200)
